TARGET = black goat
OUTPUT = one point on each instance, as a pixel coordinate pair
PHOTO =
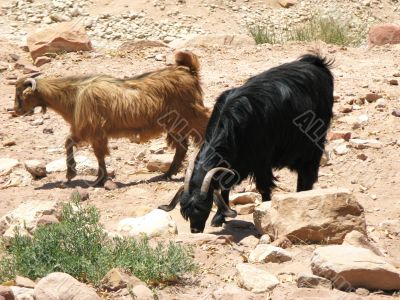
(277, 119)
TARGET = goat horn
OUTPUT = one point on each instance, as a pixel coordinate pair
(188, 174)
(207, 179)
(226, 210)
(173, 202)
(32, 82)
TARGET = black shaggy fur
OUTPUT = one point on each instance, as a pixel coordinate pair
(277, 119)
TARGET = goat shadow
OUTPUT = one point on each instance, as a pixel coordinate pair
(239, 229)
(87, 183)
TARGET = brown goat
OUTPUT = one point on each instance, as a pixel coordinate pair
(103, 107)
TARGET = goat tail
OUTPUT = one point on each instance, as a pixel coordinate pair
(188, 59)
(318, 60)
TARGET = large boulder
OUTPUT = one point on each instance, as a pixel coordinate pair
(381, 34)
(62, 286)
(350, 267)
(213, 40)
(62, 37)
(315, 216)
(155, 223)
(254, 279)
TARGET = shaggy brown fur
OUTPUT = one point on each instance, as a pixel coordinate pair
(103, 107)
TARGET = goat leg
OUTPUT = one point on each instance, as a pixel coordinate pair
(219, 217)
(71, 163)
(181, 145)
(100, 149)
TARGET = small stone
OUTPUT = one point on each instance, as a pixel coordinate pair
(245, 209)
(362, 292)
(338, 135)
(393, 82)
(282, 242)
(9, 143)
(14, 57)
(110, 185)
(7, 165)
(265, 239)
(245, 198)
(24, 282)
(287, 3)
(38, 122)
(48, 130)
(267, 253)
(396, 112)
(41, 60)
(362, 156)
(142, 292)
(83, 194)
(117, 279)
(346, 109)
(160, 57)
(36, 168)
(341, 149)
(312, 281)
(372, 97)
(6, 293)
(249, 241)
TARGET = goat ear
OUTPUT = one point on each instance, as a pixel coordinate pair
(173, 202)
(225, 209)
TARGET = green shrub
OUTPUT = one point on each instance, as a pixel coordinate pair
(79, 246)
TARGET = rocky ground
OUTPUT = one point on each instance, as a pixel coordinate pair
(367, 104)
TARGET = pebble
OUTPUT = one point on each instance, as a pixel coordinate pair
(396, 112)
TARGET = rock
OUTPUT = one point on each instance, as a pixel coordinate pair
(362, 292)
(372, 97)
(339, 135)
(38, 122)
(245, 209)
(24, 282)
(142, 292)
(232, 292)
(205, 238)
(393, 82)
(245, 198)
(268, 253)
(9, 143)
(159, 163)
(362, 144)
(346, 109)
(110, 185)
(7, 165)
(357, 239)
(265, 239)
(62, 286)
(84, 166)
(22, 293)
(212, 40)
(350, 267)
(29, 69)
(396, 112)
(287, 3)
(341, 149)
(362, 156)
(249, 241)
(393, 226)
(282, 242)
(41, 60)
(312, 281)
(83, 194)
(6, 293)
(160, 57)
(381, 34)
(63, 37)
(323, 215)
(155, 223)
(36, 168)
(47, 220)
(254, 279)
(18, 178)
(26, 215)
(117, 279)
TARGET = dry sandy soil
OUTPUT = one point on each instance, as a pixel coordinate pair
(375, 181)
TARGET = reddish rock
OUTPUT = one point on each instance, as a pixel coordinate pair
(346, 109)
(6, 293)
(381, 34)
(41, 60)
(393, 82)
(339, 135)
(62, 37)
(287, 3)
(372, 97)
(396, 112)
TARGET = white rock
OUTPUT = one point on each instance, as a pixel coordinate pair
(341, 149)
(84, 166)
(324, 215)
(62, 286)
(18, 178)
(159, 163)
(22, 293)
(352, 267)
(362, 144)
(312, 281)
(35, 167)
(155, 223)
(268, 253)
(254, 279)
(7, 165)
(265, 239)
(232, 292)
(27, 215)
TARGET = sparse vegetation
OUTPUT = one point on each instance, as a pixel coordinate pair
(79, 246)
(328, 30)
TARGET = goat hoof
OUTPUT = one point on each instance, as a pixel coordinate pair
(218, 221)
(110, 185)
(71, 174)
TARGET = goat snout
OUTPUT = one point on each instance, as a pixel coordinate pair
(195, 230)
